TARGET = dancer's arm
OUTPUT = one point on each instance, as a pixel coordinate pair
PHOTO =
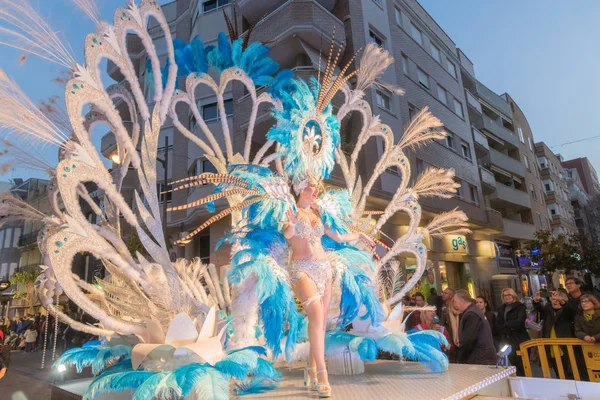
(349, 237)
(289, 228)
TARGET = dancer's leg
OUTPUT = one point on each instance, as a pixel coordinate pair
(306, 291)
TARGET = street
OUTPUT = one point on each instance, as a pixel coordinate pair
(24, 379)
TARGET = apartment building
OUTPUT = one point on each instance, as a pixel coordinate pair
(483, 146)
(587, 174)
(579, 201)
(556, 191)
(10, 234)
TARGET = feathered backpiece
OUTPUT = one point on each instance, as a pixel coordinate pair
(147, 291)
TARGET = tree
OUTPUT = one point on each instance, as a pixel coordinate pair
(589, 252)
(554, 252)
(25, 281)
(592, 210)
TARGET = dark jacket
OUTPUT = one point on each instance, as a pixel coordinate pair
(491, 318)
(584, 328)
(475, 336)
(510, 324)
(562, 320)
(13, 326)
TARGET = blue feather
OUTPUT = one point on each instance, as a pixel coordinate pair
(118, 382)
(397, 344)
(238, 364)
(431, 357)
(122, 366)
(261, 351)
(365, 347)
(265, 369)
(255, 385)
(203, 381)
(149, 388)
(110, 354)
(431, 338)
(91, 343)
(80, 357)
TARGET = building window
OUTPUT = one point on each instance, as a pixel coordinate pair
(210, 112)
(450, 141)
(451, 69)
(416, 34)
(412, 111)
(383, 100)
(474, 194)
(398, 15)
(458, 108)
(423, 79)
(533, 192)
(376, 38)
(530, 143)
(161, 188)
(7, 238)
(548, 186)
(526, 160)
(521, 137)
(540, 220)
(435, 53)
(16, 237)
(553, 209)
(542, 162)
(211, 5)
(459, 191)
(404, 64)
(466, 150)
(442, 95)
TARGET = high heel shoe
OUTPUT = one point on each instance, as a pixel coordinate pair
(309, 381)
(323, 389)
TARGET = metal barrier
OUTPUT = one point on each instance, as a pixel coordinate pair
(590, 351)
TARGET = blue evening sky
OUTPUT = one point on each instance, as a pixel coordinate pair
(544, 53)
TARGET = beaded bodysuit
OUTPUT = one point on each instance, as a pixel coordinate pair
(318, 271)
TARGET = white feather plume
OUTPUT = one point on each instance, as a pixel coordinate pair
(449, 223)
(29, 32)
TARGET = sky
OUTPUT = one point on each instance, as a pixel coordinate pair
(545, 53)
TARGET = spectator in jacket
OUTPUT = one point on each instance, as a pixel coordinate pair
(482, 303)
(13, 325)
(474, 332)
(587, 323)
(30, 338)
(20, 327)
(559, 323)
(574, 289)
(510, 326)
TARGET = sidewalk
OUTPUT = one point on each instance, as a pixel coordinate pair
(25, 379)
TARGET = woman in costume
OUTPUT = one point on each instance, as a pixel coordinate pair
(311, 275)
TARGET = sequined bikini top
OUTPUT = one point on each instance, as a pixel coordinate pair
(307, 231)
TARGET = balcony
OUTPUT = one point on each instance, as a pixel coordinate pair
(507, 196)
(518, 230)
(254, 10)
(506, 163)
(30, 267)
(28, 239)
(499, 131)
(466, 64)
(488, 181)
(305, 19)
(493, 100)
(550, 197)
(482, 148)
(495, 220)
(473, 102)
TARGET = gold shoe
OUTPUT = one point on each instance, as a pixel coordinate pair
(323, 389)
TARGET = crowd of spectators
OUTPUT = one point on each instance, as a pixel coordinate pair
(475, 332)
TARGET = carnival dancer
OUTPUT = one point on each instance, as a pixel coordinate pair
(312, 276)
